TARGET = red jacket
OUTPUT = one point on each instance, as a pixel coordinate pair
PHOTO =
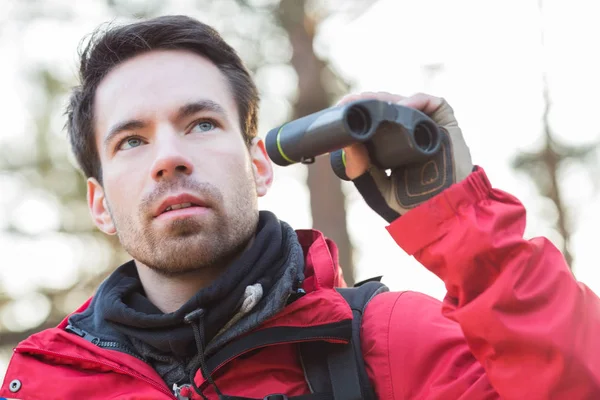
(514, 325)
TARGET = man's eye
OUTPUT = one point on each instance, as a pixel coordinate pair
(204, 126)
(130, 143)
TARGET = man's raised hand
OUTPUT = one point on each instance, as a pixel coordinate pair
(410, 185)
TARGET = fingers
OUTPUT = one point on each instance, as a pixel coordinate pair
(444, 116)
(426, 103)
(383, 96)
(420, 101)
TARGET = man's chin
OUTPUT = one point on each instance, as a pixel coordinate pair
(176, 271)
(182, 228)
(186, 250)
(178, 263)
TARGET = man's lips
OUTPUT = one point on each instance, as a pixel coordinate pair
(180, 203)
(182, 213)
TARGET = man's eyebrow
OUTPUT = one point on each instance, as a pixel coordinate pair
(184, 111)
(123, 126)
(199, 106)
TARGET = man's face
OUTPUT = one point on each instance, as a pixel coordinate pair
(179, 183)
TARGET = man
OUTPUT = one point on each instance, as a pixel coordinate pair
(164, 127)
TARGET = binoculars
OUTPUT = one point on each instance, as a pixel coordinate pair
(393, 135)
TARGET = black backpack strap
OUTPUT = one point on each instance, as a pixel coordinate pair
(341, 331)
(277, 396)
(340, 368)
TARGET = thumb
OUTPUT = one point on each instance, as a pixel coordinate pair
(356, 160)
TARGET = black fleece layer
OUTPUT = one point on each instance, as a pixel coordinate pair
(121, 312)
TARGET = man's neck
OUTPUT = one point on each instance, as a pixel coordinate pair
(169, 293)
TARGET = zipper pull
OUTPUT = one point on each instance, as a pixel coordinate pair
(182, 392)
(72, 329)
(83, 334)
(297, 293)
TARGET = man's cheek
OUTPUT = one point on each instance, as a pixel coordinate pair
(128, 181)
(121, 199)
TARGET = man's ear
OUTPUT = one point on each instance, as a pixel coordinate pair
(261, 166)
(99, 207)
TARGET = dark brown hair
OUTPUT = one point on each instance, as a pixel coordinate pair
(107, 48)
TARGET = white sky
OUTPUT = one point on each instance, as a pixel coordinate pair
(492, 62)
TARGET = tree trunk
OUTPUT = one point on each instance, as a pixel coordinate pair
(327, 201)
(547, 162)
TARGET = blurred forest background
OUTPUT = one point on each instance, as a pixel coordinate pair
(520, 75)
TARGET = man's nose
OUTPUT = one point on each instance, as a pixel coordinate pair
(170, 159)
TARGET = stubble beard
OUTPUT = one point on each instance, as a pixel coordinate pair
(189, 246)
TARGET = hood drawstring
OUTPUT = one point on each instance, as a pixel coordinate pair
(196, 320)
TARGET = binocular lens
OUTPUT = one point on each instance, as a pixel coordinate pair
(358, 121)
(425, 138)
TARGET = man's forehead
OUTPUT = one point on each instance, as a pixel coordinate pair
(159, 82)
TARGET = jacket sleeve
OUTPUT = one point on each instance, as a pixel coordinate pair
(530, 327)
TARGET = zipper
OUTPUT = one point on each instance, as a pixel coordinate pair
(112, 345)
(106, 344)
(185, 387)
(114, 367)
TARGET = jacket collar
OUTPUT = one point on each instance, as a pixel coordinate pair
(322, 275)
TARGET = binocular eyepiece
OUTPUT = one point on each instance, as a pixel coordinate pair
(394, 135)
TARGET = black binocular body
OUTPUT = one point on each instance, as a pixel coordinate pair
(394, 136)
